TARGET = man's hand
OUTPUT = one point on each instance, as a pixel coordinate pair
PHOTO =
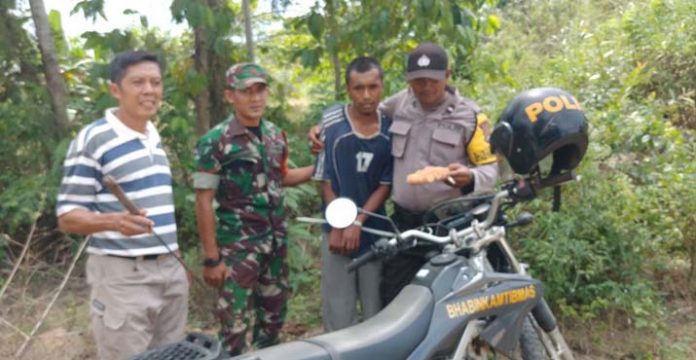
(315, 144)
(351, 239)
(336, 241)
(215, 276)
(459, 176)
(129, 225)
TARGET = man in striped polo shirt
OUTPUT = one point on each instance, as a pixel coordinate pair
(139, 292)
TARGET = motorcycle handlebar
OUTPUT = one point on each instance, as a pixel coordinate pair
(492, 212)
(511, 191)
(422, 235)
(361, 260)
(516, 190)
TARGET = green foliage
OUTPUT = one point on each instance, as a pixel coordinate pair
(342, 30)
(589, 260)
(631, 64)
(26, 157)
(90, 9)
(55, 22)
(303, 252)
(633, 211)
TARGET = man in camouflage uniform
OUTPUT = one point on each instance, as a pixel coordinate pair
(242, 164)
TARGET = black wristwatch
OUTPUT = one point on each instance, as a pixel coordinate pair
(211, 263)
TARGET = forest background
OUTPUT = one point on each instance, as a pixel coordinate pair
(618, 260)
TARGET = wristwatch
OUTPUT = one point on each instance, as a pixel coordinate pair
(211, 263)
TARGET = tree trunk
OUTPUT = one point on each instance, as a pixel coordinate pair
(217, 80)
(247, 31)
(337, 75)
(331, 16)
(210, 102)
(55, 82)
(202, 100)
(217, 66)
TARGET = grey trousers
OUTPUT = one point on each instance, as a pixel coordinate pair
(341, 290)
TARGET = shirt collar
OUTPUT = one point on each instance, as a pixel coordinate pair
(124, 131)
(451, 98)
(236, 128)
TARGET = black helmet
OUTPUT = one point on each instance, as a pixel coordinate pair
(539, 122)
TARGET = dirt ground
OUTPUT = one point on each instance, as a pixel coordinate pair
(65, 332)
(675, 339)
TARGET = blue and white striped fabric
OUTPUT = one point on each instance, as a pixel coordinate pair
(139, 164)
(332, 115)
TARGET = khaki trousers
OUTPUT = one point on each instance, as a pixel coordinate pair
(136, 304)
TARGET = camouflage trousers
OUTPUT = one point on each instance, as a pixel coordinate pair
(256, 287)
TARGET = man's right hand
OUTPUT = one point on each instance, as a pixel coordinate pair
(215, 276)
(315, 144)
(129, 224)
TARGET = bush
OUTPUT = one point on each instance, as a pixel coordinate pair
(631, 213)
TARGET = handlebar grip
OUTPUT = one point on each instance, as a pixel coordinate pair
(361, 260)
(115, 189)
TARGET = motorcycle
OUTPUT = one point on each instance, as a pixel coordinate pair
(472, 300)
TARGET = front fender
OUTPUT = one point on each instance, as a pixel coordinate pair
(503, 303)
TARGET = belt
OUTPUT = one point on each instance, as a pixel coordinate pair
(143, 257)
(407, 219)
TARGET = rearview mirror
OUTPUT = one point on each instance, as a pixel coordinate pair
(341, 213)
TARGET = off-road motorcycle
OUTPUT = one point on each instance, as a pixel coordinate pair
(471, 300)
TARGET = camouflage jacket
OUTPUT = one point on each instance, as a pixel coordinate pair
(250, 173)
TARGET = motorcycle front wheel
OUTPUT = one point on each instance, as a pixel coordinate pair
(530, 348)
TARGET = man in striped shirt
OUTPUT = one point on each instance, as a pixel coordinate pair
(139, 292)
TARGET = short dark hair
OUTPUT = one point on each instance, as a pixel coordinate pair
(123, 60)
(363, 64)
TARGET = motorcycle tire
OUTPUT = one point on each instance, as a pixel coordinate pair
(531, 347)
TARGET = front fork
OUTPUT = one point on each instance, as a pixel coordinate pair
(472, 330)
(542, 318)
(553, 341)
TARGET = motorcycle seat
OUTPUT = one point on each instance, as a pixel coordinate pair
(391, 334)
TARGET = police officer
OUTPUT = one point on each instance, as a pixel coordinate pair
(242, 163)
(432, 125)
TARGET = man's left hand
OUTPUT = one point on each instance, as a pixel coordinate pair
(459, 175)
(351, 239)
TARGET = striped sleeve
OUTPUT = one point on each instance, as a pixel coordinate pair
(331, 116)
(81, 178)
(319, 164)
